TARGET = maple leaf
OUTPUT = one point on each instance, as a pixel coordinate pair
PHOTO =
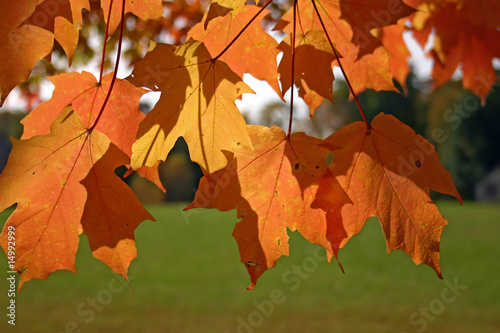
(197, 103)
(253, 52)
(387, 172)
(121, 116)
(58, 181)
(144, 9)
(272, 189)
(313, 67)
(365, 71)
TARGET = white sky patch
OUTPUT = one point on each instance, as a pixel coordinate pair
(253, 104)
(420, 64)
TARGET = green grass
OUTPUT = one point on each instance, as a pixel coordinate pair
(188, 278)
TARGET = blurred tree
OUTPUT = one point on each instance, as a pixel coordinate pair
(469, 140)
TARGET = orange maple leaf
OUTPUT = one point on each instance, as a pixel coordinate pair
(253, 52)
(365, 71)
(387, 172)
(64, 184)
(121, 116)
(272, 189)
(197, 103)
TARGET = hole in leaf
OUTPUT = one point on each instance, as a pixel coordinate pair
(418, 163)
(329, 158)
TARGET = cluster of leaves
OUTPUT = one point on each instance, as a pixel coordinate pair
(182, 15)
(61, 174)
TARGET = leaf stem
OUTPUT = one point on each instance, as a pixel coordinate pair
(117, 63)
(341, 67)
(242, 30)
(106, 32)
(293, 67)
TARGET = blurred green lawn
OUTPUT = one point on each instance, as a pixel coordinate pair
(188, 278)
